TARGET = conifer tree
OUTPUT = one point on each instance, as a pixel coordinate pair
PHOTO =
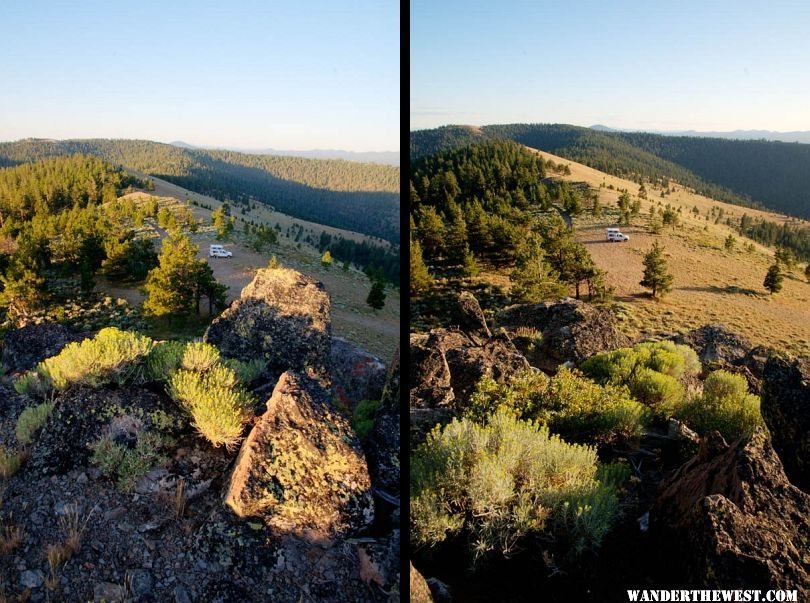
(376, 297)
(773, 279)
(656, 276)
(420, 276)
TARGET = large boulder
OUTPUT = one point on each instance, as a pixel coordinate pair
(383, 446)
(445, 366)
(420, 593)
(716, 345)
(468, 316)
(356, 374)
(729, 518)
(786, 410)
(572, 330)
(281, 316)
(301, 468)
(26, 347)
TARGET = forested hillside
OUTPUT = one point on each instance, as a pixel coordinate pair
(344, 194)
(744, 172)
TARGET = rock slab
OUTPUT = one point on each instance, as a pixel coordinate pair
(301, 468)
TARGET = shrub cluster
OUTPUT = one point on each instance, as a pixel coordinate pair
(725, 406)
(652, 371)
(31, 419)
(112, 356)
(219, 406)
(363, 417)
(126, 464)
(569, 404)
(501, 481)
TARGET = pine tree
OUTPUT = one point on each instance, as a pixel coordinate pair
(656, 276)
(420, 276)
(773, 280)
(730, 242)
(533, 279)
(376, 297)
(807, 272)
(172, 287)
(431, 231)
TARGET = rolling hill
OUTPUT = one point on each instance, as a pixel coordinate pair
(344, 194)
(751, 173)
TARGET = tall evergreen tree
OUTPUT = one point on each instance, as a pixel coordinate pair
(172, 287)
(773, 279)
(420, 276)
(376, 297)
(656, 276)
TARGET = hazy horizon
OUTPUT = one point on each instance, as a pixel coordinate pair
(667, 66)
(301, 76)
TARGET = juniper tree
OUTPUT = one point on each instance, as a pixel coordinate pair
(773, 279)
(656, 276)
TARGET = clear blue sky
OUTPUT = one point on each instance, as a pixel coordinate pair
(665, 65)
(264, 73)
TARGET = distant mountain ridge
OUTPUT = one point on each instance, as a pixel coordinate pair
(770, 174)
(800, 136)
(362, 197)
(383, 157)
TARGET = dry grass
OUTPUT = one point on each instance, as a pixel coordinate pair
(10, 538)
(711, 284)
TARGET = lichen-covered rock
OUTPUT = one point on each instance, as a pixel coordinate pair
(420, 593)
(356, 374)
(281, 316)
(468, 316)
(729, 518)
(572, 330)
(24, 348)
(786, 411)
(716, 345)
(383, 446)
(445, 367)
(301, 468)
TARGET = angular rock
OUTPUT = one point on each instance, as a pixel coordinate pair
(383, 446)
(420, 593)
(469, 317)
(786, 410)
(356, 374)
(24, 348)
(572, 330)
(108, 592)
(301, 468)
(281, 316)
(32, 578)
(729, 518)
(445, 367)
(716, 345)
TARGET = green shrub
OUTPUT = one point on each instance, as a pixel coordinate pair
(164, 358)
(199, 356)
(570, 404)
(10, 462)
(660, 392)
(504, 480)
(581, 410)
(125, 464)
(31, 419)
(112, 356)
(218, 406)
(521, 395)
(725, 406)
(31, 384)
(363, 417)
(246, 372)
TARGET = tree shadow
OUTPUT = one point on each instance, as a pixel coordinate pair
(726, 290)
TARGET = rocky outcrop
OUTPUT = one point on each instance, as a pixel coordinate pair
(786, 410)
(383, 446)
(445, 366)
(468, 316)
(356, 374)
(420, 593)
(24, 348)
(572, 330)
(716, 345)
(729, 518)
(282, 316)
(301, 467)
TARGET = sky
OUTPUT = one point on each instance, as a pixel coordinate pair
(287, 75)
(704, 65)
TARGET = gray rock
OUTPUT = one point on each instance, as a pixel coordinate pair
(181, 595)
(281, 316)
(32, 578)
(383, 445)
(108, 592)
(356, 374)
(140, 582)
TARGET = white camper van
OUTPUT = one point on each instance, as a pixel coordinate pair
(614, 234)
(218, 251)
